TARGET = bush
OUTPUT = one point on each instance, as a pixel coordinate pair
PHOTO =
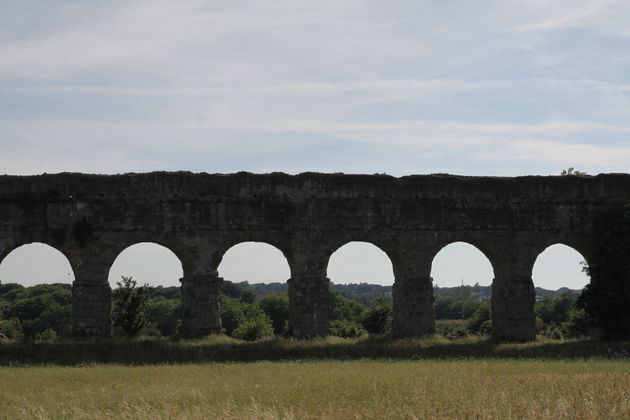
(486, 328)
(128, 317)
(452, 328)
(377, 319)
(578, 325)
(276, 306)
(12, 329)
(232, 314)
(254, 328)
(479, 317)
(346, 329)
(47, 335)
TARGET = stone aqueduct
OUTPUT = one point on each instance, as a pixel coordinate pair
(92, 218)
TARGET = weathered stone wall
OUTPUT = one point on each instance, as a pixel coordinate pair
(92, 218)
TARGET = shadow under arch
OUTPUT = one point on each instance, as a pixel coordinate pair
(150, 262)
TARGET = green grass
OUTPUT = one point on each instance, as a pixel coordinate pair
(370, 389)
(225, 349)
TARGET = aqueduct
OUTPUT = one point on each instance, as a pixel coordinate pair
(92, 218)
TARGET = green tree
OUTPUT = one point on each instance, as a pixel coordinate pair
(572, 171)
(555, 310)
(344, 309)
(276, 306)
(377, 319)
(232, 313)
(163, 313)
(606, 299)
(475, 323)
(128, 312)
(248, 296)
(254, 328)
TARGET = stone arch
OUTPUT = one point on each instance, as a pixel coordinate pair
(269, 246)
(577, 251)
(143, 261)
(143, 249)
(371, 245)
(474, 245)
(46, 247)
(59, 287)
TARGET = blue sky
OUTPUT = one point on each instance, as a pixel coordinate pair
(402, 87)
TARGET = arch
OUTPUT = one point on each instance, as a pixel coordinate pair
(236, 262)
(468, 253)
(559, 265)
(41, 296)
(147, 262)
(369, 271)
(20, 259)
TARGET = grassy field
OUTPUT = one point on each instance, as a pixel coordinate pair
(330, 378)
(387, 389)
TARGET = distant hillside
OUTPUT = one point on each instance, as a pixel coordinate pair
(366, 293)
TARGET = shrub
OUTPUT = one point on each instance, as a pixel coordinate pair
(128, 317)
(486, 328)
(377, 319)
(479, 317)
(12, 329)
(254, 328)
(346, 329)
(578, 325)
(232, 314)
(47, 335)
(276, 306)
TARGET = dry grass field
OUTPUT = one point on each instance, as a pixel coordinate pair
(366, 389)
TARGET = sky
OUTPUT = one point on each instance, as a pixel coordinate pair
(403, 87)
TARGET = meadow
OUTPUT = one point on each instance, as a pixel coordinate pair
(385, 389)
(327, 378)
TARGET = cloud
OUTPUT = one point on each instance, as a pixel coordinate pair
(607, 15)
(564, 154)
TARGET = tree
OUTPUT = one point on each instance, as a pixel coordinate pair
(255, 328)
(232, 313)
(572, 171)
(276, 306)
(128, 313)
(344, 309)
(377, 319)
(164, 314)
(606, 299)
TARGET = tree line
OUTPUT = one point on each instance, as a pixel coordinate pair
(43, 312)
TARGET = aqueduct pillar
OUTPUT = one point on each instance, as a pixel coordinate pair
(309, 295)
(91, 294)
(413, 295)
(513, 296)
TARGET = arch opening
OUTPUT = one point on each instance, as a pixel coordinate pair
(151, 264)
(560, 266)
(362, 279)
(36, 293)
(462, 287)
(558, 277)
(255, 290)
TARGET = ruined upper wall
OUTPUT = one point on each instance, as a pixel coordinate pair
(70, 210)
(168, 185)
